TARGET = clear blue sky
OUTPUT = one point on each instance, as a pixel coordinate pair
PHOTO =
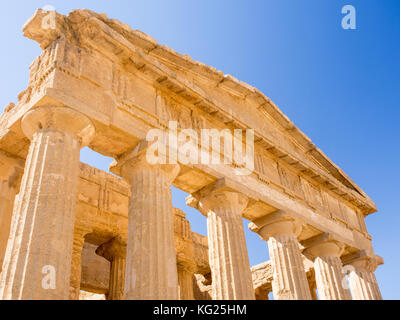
(341, 87)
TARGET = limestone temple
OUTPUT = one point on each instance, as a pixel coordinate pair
(102, 85)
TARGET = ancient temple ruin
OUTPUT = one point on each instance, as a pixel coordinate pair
(102, 85)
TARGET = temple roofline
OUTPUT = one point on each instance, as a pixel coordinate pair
(228, 83)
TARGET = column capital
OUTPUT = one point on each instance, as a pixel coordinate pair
(277, 223)
(116, 247)
(362, 260)
(137, 160)
(186, 263)
(58, 118)
(322, 245)
(218, 196)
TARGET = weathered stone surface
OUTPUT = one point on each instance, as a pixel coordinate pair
(281, 231)
(362, 280)
(328, 268)
(46, 205)
(230, 268)
(80, 231)
(100, 83)
(10, 179)
(151, 257)
(95, 271)
(115, 252)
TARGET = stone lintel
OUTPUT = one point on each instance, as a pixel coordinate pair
(363, 255)
(318, 239)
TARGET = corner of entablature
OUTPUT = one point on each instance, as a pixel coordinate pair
(45, 27)
(363, 258)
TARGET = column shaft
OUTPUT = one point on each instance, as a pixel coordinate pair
(329, 279)
(362, 280)
(280, 230)
(41, 249)
(117, 279)
(45, 219)
(115, 252)
(229, 261)
(5, 274)
(76, 262)
(185, 280)
(151, 271)
(364, 286)
(328, 268)
(9, 184)
(290, 280)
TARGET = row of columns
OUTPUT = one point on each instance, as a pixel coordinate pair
(290, 281)
(43, 234)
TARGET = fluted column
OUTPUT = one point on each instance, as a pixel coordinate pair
(115, 252)
(184, 247)
(8, 258)
(313, 287)
(328, 269)
(151, 271)
(362, 281)
(186, 271)
(10, 179)
(289, 274)
(229, 260)
(76, 262)
(42, 247)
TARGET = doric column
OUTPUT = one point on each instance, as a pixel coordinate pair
(151, 271)
(289, 274)
(329, 276)
(362, 281)
(42, 247)
(115, 252)
(80, 232)
(184, 247)
(229, 261)
(313, 286)
(4, 275)
(186, 270)
(10, 179)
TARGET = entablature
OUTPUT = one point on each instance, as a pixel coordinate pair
(201, 87)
